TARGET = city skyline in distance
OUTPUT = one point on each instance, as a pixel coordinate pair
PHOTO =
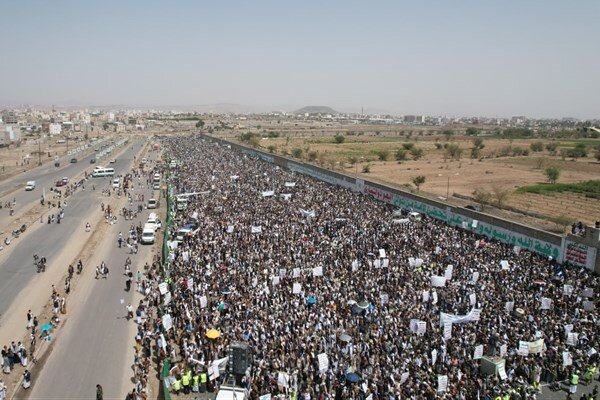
(461, 59)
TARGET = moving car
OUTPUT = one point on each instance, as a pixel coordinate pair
(116, 183)
(30, 186)
(113, 161)
(148, 234)
(73, 160)
(152, 203)
(156, 186)
(59, 183)
(154, 221)
(184, 230)
(93, 161)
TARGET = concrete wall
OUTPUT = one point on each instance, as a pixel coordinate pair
(528, 238)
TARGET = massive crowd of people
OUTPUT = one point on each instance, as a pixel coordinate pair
(335, 296)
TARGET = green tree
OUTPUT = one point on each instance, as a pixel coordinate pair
(383, 155)
(339, 139)
(448, 133)
(551, 146)
(482, 197)
(416, 153)
(418, 181)
(472, 131)
(501, 195)
(271, 148)
(454, 151)
(401, 155)
(408, 146)
(552, 173)
(297, 152)
(537, 146)
(200, 124)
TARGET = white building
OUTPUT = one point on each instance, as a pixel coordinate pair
(55, 129)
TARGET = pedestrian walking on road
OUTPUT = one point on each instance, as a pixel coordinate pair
(26, 379)
(99, 393)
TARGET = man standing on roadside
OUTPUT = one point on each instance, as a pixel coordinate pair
(99, 394)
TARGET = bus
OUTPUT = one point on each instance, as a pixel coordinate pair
(101, 172)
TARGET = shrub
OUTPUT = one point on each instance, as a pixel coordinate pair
(297, 153)
(383, 155)
(366, 169)
(552, 173)
(418, 181)
(416, 153)
(272, 149)
(339, 139)
(551, 146)
(401, 155)
(408, 146)
(312, 155)
(537, 146)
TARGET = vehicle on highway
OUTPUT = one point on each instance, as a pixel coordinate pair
(156, 186)
(144, 160)
(59, 183)
(65, 180)
(116, 183)
(152, 203)
(101, 172)
(93, 161)
(182, 203)
(30, 186)
(148, 234)
(473, 208)
(57, 164)
(154, 221)
(73, 160)
(113, 161)
(184, 230)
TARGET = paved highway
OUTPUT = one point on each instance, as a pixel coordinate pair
(45, 177)
(96, 344)
(17, 270)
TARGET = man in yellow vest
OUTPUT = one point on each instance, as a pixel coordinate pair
(196, 383)
(590, 374)
(574, 382)
(185, 380)
(177, 386)
(203, 381)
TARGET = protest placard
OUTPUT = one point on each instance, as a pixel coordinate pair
(421, 327)
(317, 271)
(404, 377)
(504, 264)
(546, 303)
(265, 397)
(475, 277)
(472, 299)
(275, 280)
(509, 306)
(296, 288)
(536, 347)
(203, 302)
(162, 287)
(433, 356)
(385, 263)
(588, 306)
(448, 272)
(290, 184)
(447, 330)
(167, 322)
(517, 250)
(478, 353)
(438, 281)
(425, 296)
(296, 273)
(382, 253)
(567, 359)
(523, 348)
(256, 229)
(323, 362)
(190, 283)
(268, 193)
(167, 298)
(414, 325)
(442, 383)
(567, 290)
(568, 328)
(502, 371)
(572, 338)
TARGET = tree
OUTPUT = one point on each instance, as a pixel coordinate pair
(401, 155)
(552, 173)
(448, 133)
(339, 139)
(477, 146)
(418, 181)
(297, 152)
(416, 153)
(537, 146)
(539, 162)
(383, 155)
(482, 197)
(472, 131)
(454, 151)
(200, 124)
(501, 195)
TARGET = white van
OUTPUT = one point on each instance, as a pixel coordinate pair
(30, 186)
(154, 221)
(148, 234)
(152, 203)
(116, 183)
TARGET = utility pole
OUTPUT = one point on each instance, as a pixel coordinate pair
(40, 151)
(448, 189)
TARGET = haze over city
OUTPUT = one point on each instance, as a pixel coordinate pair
(437, 58)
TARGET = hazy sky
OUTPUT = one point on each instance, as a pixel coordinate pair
(504, 57)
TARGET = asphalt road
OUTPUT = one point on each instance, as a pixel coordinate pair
(96, 344)
(17, 269)
(45, 176)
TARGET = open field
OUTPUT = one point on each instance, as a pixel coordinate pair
(450, 166)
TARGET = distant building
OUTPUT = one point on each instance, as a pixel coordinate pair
(9, 117)
(414, 119)
(54, 129)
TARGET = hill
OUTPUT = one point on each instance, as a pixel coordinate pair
(316, 110)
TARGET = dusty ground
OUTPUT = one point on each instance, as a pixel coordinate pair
(445, 176)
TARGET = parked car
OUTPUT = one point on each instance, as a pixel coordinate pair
(113, 161)
(152, 203)
(472, 207)
(30, 186)
(59, 183)
(93, 161)
(73, 160)
(57, 164)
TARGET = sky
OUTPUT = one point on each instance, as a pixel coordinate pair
(456, 58)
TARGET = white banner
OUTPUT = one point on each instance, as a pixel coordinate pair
(448, 272)
(503, 350)
(502, 371)
(473, 315)
(438, 281)
(256, 229)
(308, 213)
(203, 302)
(162, 287)
(317, 271)
(290, 184)
(504, 264)
(268, 193)
(523, 348)
(447, 330)
(442, 383)
(478, 353)
(323, 362)
(546, 303)
(167, 322)
(296, 288)
(567, 359)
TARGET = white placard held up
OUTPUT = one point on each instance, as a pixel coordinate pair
(403, 377)
(448, 272)
(567, 359)
(167, 298)
(438, 281)
(167, 322)
(546, 303)
(567, 290)
(447, 330)
(504, 264)
(275, 281)
(296, 273)
(478, 353)
(203, 302)
(523, 348)
(502, 371)
(421, 327)
(323, 362)
(442, 383)
(296, 288)
(509, 306)
(317, 271)
(256, 229)
(472, 299)
(433, 356)
(503, 350)
(162, 287)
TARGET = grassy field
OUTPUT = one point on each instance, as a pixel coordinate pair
(590, 189)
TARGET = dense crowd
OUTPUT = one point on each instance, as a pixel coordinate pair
(252, 271)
